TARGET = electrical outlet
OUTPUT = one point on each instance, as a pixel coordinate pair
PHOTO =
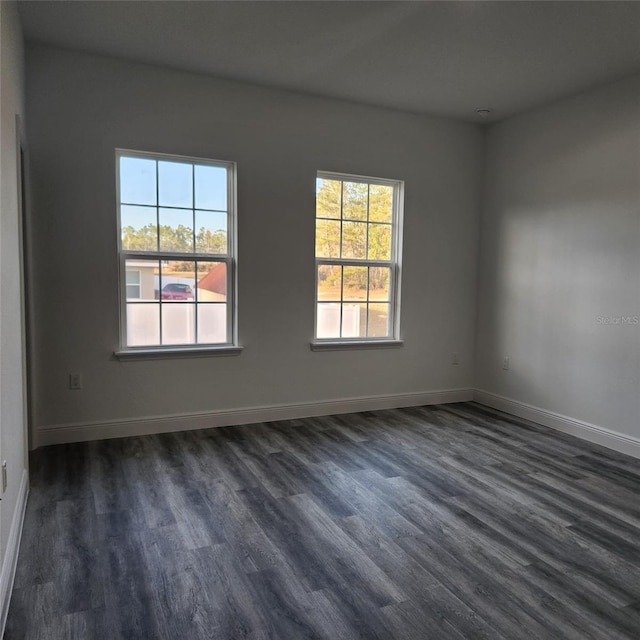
(455, 359)
(505, 363)
(75, 381)
(4, 476)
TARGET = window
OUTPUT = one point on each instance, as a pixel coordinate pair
(357, 258)
(133, 284)
(177, 241)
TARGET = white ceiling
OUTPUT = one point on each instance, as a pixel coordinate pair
(444, 58)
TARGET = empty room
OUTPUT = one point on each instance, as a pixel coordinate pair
(320, 320)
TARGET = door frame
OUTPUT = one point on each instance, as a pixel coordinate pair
(26, 306)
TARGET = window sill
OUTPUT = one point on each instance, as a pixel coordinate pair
(177, 352)
(335, 345)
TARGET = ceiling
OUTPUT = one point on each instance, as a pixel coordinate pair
(442, 58)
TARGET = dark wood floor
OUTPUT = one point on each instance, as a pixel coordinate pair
(438, 522)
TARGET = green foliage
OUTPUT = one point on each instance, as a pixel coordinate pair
(354, 200)
(379, 242)
(208, 241)
(328, 199)
(144, 239)
(353, 221)
(354, 240)
(355, 278)
(179, 239)
(327, 238)
(380, 203)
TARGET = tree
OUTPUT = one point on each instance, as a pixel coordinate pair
(178, 239)
(208, 241)
(328, 199)
(354, 221)
(144, 239)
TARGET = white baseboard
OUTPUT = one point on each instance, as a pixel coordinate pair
(65, 433)
(10, 559)
(585, 430)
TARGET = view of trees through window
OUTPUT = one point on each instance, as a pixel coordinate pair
(180, 238)
(354, 258)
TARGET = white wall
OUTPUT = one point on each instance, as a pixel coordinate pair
(12, 428)
(560, 255)
(82, 107)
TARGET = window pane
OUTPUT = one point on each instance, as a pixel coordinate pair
(211, 232)
(328, 194)
(354, 320)
(212, 323)
(143, 324)
(328, 320)
(355, 283)
(175, 184)
(139, 228)
(379, 278)
(210, 187)
(211, 282)
(379, 242)
(177, 281)
(178, 323)
(380, 203)
(378, 320)
(141, 278)
(176, 230)
(354, 200)
(354, 240)
(327, 239)
(137, 181)
(329, 282)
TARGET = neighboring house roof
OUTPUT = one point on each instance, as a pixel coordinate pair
(216, 280)
(141, 264)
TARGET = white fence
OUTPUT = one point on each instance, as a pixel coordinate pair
(329, 321)
(178, 324)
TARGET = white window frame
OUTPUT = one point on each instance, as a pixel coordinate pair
(230, 346)
(392, 340)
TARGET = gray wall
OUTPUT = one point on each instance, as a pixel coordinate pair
(560, 259)
(82, 107)
(12, 427)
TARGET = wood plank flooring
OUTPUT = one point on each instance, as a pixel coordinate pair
(441, 522)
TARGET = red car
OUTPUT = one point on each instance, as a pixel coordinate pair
(177, 291)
